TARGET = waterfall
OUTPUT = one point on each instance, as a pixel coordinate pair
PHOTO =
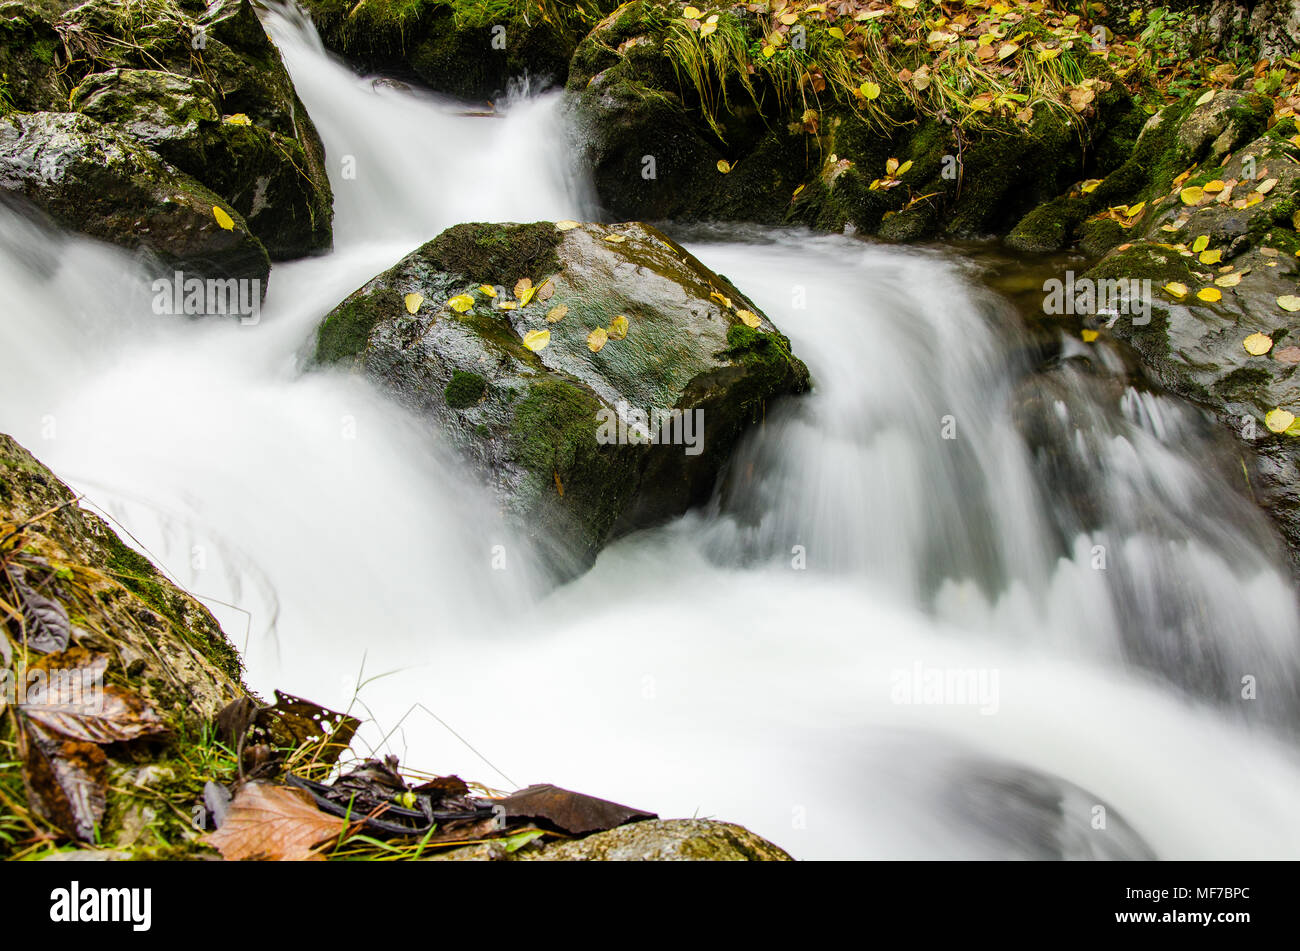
(1073, 552)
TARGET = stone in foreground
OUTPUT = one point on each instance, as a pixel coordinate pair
(659, 840)
(549, 389)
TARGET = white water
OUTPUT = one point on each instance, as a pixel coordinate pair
(693, 670)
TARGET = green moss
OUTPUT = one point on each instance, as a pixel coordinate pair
(346, 331)
(138, 575)
(495, 253)
(1241, 382)
(464, 390)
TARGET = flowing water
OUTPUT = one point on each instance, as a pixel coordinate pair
(1079, 554)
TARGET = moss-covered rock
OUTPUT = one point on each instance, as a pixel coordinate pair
(169, 74)
(95, 180)
(161, 644)
(544, 425)
(458, 51)
(657, 840)
(264, 174)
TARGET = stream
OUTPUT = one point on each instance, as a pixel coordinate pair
(1080, 551)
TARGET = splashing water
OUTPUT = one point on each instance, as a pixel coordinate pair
(1076, 564)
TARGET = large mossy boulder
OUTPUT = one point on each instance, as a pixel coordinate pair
(446, 330)
(201, 85)
(469, 54)
(92, 179)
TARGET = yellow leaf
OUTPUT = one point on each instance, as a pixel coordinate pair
(239, 119)
(615, 238)
(1228, 280)
(796, 192)
(1258, 344)
(1278, 420)
(891, 166)
(521, 285)
(769, 52)
(618, 328)
(869, 90)
(1046, 55)
(708, 29)
(1090, 186)
(1210, 294)
(224, 220)
(1206, 97)
(789, 19)
(724, 166)
(690, 13)
(461, 303)
(1133, 211)
(1191, 194)
(1266, 186)
(1201, 243)
(1089, 335)
(902, 169)
(527, 296)
(596, 339)
(1211, 257)
(487, 289)
(1176, 289)
(722, 299)
(712, 19)
(1008, 50)
(1254, 198)
(1289, 303)
(413, 302)
(749, 318)
(836, 32)
(509, 305)
(566, 225)
(536, 340)
(557, 313)
(1214, 187)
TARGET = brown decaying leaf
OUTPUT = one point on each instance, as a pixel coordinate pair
(72, 700)
(570, 812)
(66, 780)
(277, 823)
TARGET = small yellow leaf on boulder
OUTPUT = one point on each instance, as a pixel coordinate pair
(1278, 420)
(557, 313)
(869, 90)
(1210, 294)
(536, 340)
(596, 339)
(618, 328)
(1258, 344)
(1211, 257)
(1266, 186)
(1192, 194)
(724, 166)
(615, 238)
(521, 285)
(748, 318)
(461, 303)
(413, 302)
(226, 222)
(566, 225)
(1089, 335)
(1289, 303)
(1228, 280)
(1176, 289)
(1201, 243)
(1205, 97)
(487, 289)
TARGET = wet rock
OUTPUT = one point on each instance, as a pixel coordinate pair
(170, 79)
(92, 179)
(660, 840)
(450, 51)
(260, 172)
(544, 425)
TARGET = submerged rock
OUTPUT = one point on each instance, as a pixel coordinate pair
(657, 840)
(622, 324)
(202, 86)
(92, 179)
